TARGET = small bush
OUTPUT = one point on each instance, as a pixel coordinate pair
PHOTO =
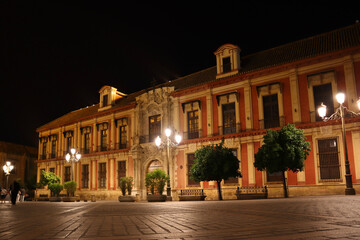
(129, 184)
(55, 188)
(70, 187)
(156, 179)
(123, 185)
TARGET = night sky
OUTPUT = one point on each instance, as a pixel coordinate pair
(56, 55)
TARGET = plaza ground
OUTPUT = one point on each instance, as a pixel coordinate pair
(320, 217)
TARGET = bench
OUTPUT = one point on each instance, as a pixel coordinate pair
(43, 197)
(192, 195)
(243, 193)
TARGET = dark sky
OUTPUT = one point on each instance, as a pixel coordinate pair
(56, 55)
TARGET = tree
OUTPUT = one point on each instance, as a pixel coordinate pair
(215, 163)
(283, 150)
(156, 180)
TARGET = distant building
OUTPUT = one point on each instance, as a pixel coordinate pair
(238, 99)
(21, 157)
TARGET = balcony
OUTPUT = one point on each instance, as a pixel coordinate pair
(233, 128)
(86, 150)
(102, 148)
(272, 123)
(193, 135)
(43, 157)
(52, 155)
(148, 138)
(122, 145)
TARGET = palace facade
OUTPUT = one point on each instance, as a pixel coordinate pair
(238, 99)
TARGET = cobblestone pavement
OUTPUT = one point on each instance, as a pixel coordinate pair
(325, 217)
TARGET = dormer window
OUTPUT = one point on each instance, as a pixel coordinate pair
(226, 65)
(105, 100)
(227, 60)
(108, 97)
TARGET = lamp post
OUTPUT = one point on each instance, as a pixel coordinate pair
(7, 169)
(72, 157)
(340, 114)
(168, 143)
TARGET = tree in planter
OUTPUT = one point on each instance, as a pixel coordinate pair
(70, 187)
(129, 184)
(123, 185)
(283, 150)
(215, 163)
(47, 178)
(156, 180)
(55, 189)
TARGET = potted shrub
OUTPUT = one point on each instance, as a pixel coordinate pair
(126, 184)
(55, 189)
(46, 180)
(156, 180)
(70, 187)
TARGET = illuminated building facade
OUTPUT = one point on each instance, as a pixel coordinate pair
(238, 99)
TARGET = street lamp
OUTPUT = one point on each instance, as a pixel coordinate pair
(7, 169)
(340, 113)
(168, 143)
(72, 157)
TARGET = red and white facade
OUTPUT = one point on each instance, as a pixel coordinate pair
(238, 99)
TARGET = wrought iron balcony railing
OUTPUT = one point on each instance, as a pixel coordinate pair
(272, 123)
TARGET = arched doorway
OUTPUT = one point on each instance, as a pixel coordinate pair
(154, 164)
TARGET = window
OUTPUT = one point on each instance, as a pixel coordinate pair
(122, 123)
(87, 143)
(85, 176)
(121, 170)
(323, 94)
(154, 127)
(226, 65)
(105, 100)
(329, 159)
(190, 162)
(232, 180)
(102, 175)
(53, 149)
(68, 144)
(271, 111)
(103, 139)
(44, 150)
(193, 124)
(229, 118)
(52, 170)
(67, 174)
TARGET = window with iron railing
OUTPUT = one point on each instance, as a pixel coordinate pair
(87, 143)
(271, 111)
(53, 149)
(329, 165)
(44, 150)
(103, 140)
(85, 176)
(229, 118)
(121, 170)
(193, 124)
(323, 94)
(67, 174)
(102, 175)
(123, 137)
(154, 127)
(52, 170)
(190, 162)
(232, 180)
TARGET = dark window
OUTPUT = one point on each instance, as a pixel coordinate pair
(44, 150)
(67, 174)
(52, 170)
(229, 118)
(190, 162)
(121, 170)
(323, 94)
(274, 177)
(102, 175)
(53, 149)
(103, 139)
(154, 127)
(68, 144)
(87, 143)
(85, 176)
(271, 111)
(226, 65)
(105, 100)
(232, 180)
(193, 124)
(123, 137)
(329, 159)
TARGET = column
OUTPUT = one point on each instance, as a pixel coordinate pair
(295, 97)
(112, 135)
(94, 138)
(351, 94)
(251, 168)
(209, 108)
(248, 106)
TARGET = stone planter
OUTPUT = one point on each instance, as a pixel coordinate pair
(55, 199)
(127, 198)
(156, 198)
(69, 199)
